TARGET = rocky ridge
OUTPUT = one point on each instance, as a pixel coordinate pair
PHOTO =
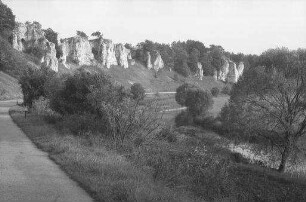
(229, 72)
(30, 37)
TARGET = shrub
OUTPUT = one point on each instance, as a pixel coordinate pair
(138, 92)
(202, 170)
(175, 77)
(82, 34)
(198, 101)
(76, 91)
(167, 134)
(227, 90)
(215, 91)
(182, 69)
(127, 120)
(80, 124)
(42, 108)
(183, 119)
(32, 84)
(181, 93)
(7, 19)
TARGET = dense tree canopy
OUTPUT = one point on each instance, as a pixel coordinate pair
(7, 20)
(269, 101)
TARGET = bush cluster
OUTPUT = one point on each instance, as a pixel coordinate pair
(215, 91)
(86, 102)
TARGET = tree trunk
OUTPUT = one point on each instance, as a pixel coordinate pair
(283, 162)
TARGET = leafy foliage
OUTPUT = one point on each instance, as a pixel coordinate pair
(7, 20)
(52, 36)
(181, 93)
(137, 91)
(198, 102)
(270, 104)
(215, 91)
(32, 84)
(82, 34)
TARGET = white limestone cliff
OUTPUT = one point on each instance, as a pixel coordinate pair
(30, 36)
(229, 72)
(158, 63)
(122, 55)
(200, 70)
(76, 50)
(148, 57)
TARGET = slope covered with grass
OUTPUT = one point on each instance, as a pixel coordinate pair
(9, 87)
(164, 80)
(12, 63)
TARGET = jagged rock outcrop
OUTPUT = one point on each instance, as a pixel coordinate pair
(27, 35)
(108, 53)
(49, 58)
(240, 69)
(76, 50)
(30, 36)
(229, 71)
(149, 64)
(158, 63)
(122, 55)
(200, 70)
(222, 73)
(232, 76)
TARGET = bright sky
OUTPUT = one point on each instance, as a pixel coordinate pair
(247, 26)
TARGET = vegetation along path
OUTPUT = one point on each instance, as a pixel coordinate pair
(26, 173)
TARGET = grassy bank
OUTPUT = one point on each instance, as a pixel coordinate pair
(104, 174)
(184, 165)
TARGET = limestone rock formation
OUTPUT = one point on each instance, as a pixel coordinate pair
(76, 50)
(49, 58)
(240, 69)
(149, 64)
(200, 71)
(222, 73)
(232, 76)
(122, 55)
(108, 53)
(30, 36)
(27, 35)
(158, 63)
(229, 71)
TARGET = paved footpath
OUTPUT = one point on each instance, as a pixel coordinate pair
(26, 173)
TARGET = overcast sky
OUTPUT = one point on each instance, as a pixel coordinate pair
(247, 26)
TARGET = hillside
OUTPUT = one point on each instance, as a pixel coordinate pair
(12, 63)
(165, 81)
(9, 88)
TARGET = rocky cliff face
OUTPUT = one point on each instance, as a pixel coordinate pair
(30, 36)
(76, 50)
(229, 71)
(149, 64)
(200, 71)
(49, 58)
(240, 69)
(232, 76)
(122, 55)
(158, 62)
(108, 53)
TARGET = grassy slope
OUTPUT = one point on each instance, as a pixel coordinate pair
(106, 175)
(9, 88)
(12, 63)
(164, 82)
